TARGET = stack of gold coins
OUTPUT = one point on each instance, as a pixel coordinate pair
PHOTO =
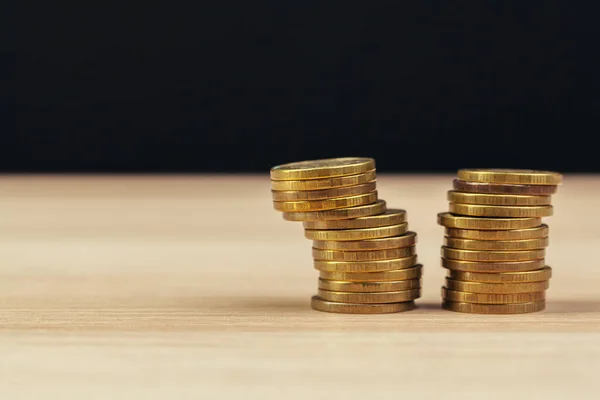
(495, 241)
(363, 251)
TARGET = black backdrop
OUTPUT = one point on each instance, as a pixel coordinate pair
(244, 85)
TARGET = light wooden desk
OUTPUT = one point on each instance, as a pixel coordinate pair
(195, 288)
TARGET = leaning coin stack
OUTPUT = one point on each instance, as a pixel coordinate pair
(495, 241)
(363, 251)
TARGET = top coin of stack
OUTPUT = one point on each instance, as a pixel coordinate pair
(309, 190)
(495, 241)
(363, 251)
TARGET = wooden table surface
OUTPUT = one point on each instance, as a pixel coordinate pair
(193, 287)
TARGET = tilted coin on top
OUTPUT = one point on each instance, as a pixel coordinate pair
(315, 169)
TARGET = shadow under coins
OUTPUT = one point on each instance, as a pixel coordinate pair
(429, 306)
(293, 304)
(282, 304)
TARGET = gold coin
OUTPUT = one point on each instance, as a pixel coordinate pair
(366, 266)
(393, 275)
(476, 210)
(498, 188)
(457, 221)
(511, 176)
(504, 277)
(369, 255)
(390, 217)
(493, 267)
(327, 183)
(469, 244)
(340, 213)
(482, 287)
(329, 204)
(351, 308)
(492, 256)
(326, 168)
(473, 308)
(498, 199)
(514, 234)
(370, 298)
(369, 287)
(310, 195)
(357, 234)
(492, 298)
(394, 242)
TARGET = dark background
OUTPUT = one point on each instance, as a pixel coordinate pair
(243, 85)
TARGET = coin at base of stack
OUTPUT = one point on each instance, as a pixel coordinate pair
(353, 308)
(513, 308)
(363, 251)
(494, 244)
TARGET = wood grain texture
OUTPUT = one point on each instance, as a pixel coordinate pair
(195, 288)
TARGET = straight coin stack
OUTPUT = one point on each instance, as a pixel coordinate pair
(494, 244)
(363, 251)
